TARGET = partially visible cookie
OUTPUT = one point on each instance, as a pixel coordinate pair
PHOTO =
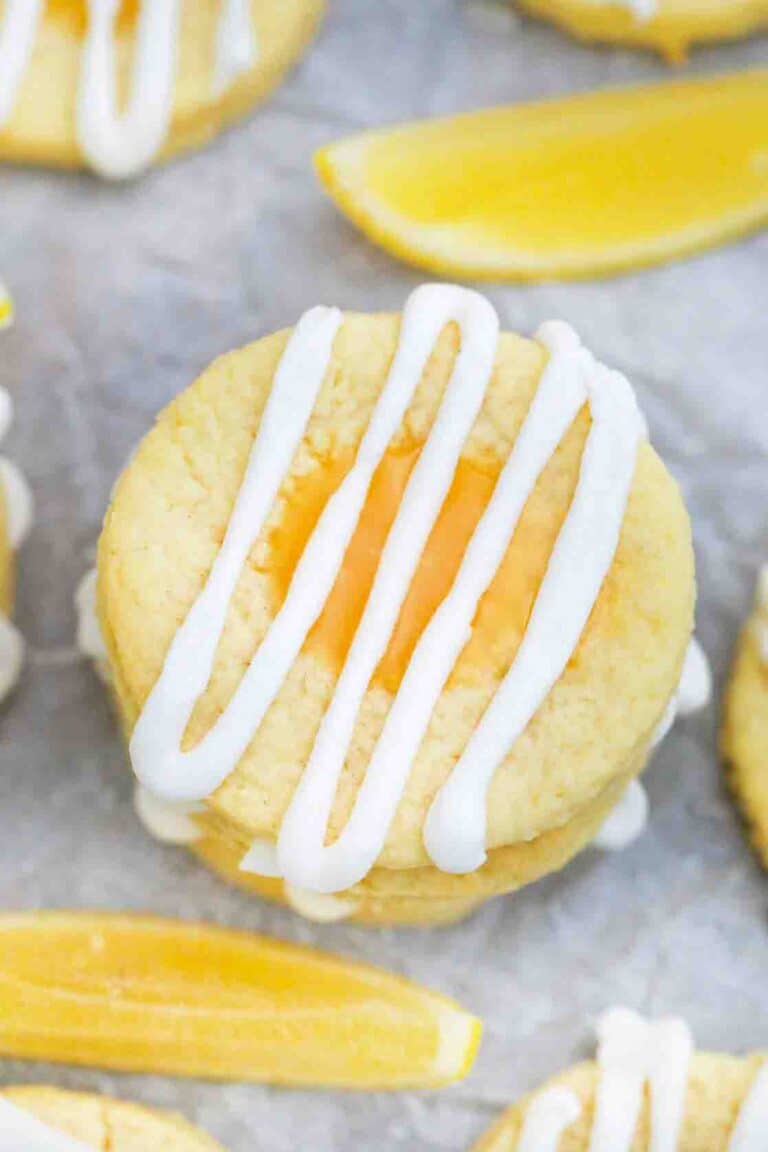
(648, 1089)
(669, 27)
(49, 1118)
(745, 725)
(192, 67)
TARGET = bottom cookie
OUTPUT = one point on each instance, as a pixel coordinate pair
(419, 896)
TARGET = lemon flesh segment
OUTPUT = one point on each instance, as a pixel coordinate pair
(162, 996)
(575, 187)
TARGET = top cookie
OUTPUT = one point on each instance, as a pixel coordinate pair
(184, 69)
(172, 507)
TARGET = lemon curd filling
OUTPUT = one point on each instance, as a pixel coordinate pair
(75, 14)
(503, 611)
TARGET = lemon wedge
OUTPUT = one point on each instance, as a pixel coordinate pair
(163, 996)
(575, 187)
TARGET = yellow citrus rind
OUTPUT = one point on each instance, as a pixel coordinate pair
(169, 997)
(588, 185)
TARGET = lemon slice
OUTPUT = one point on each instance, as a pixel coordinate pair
(6, 307)
(147, 995)
(590, 184)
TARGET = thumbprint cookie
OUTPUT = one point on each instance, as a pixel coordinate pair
(395, 607)
(115, 85)
(647, 1089)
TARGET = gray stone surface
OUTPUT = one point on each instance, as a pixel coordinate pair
(123, 295)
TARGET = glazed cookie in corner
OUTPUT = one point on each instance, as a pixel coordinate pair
(745, 725)
(669, 27)
(15, 522)
(407, 586)
(38, 1119)
(648, 1089)
(191, 66)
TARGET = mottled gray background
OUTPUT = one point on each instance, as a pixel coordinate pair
(123, 295)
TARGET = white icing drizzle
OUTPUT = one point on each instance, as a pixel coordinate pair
(19, 502)
(631, 1054)
(90, 641)
(11, 656)
(695, 690)
(166, 822)
(630, 816)
(18, 31)
(635, 1054)
(173, 822)
(156, 742)
(6, 412)
(302, 854)
(626, 822)
(120, 144)
(750, 1133)
(236, 46)
(547, 1117)
(22, 1132)
(583, 553)
(261, 859)
(317, 906)
(163, 820)
(19, 512)
(664, 726)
